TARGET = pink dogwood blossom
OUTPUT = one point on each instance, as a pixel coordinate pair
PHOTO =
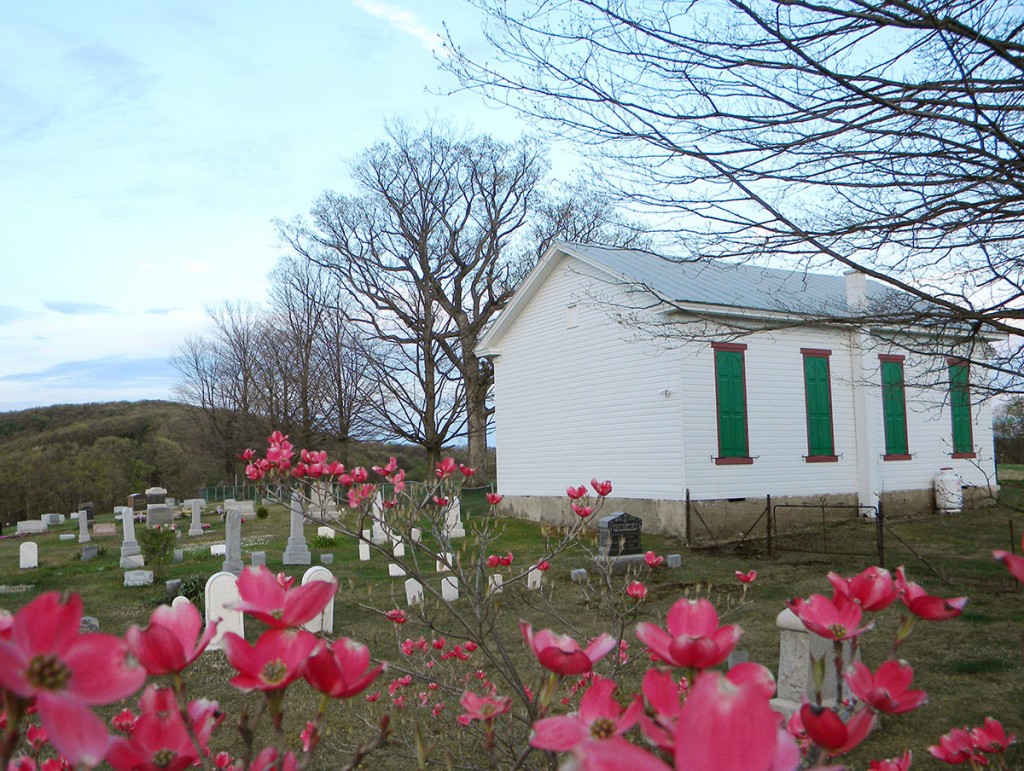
(694, 638)
(561, 654)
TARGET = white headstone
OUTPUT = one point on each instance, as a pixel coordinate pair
(53, 519)
(450, 588)
(31, 526)
(413, 592)
(797, 650)
(379, 534)
(28, 555)
(73, 515)
(367, 535)
(399, 548)
(453, 527)
(494, 583)
(218, 549)
(83, 529)
(196, 525)
(133, 562)
(395, 571)
(324, 621)
(67, 536)
(221, 597)
(179, 600)
(535, 579)
(129, 546)
(415, 534)
(443, 562)
(325, 532)
(364, 551)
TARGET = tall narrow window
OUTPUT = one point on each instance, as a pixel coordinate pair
(818, 398)
(894, 408)
(960, 407)
(731, 393)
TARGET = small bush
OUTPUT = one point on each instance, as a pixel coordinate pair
(262, 512)
(193, 588)
(157, 544)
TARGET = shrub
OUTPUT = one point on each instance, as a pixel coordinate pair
(157, 544)
(262, 512)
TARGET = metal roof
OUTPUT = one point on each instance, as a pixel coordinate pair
(714, 282)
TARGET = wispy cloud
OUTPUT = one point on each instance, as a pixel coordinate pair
(9, 313)
(403, 20)
(78, 309)
(160, 311)
(117, 371)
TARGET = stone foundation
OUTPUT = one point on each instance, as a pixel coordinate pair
(725, 519)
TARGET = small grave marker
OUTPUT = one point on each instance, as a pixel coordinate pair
(138, 578)
(535, 579)
(104, 528)
(221, 597)
(450, 588)
(364, 551)
(28, 555)
(324, 621)
(413, 592)
(395, 571)
(494, 583)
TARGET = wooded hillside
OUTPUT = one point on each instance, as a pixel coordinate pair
(53, 458)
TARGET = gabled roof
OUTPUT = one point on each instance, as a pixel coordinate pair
(732, 285)
(721, 285)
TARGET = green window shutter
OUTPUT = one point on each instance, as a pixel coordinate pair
(894, 408)
(960, 407)
(818, 394)
(732, 415)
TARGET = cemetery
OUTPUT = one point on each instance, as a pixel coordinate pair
(426, 574)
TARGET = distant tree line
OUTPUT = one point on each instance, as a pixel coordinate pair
(372, 319)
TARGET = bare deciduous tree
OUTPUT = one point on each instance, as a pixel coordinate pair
(886, 137)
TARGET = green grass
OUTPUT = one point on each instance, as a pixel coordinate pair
(971, 667)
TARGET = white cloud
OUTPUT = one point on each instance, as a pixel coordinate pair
(406, 21)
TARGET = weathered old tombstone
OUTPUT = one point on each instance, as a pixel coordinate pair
(83, 530)
(218, 550)
(415, 534)
(364, 551)
(104, 528)
(196, 525)
(221, 598)
(673, 561)
(88, 624)
(173, 586)
(90, 552)
(31, 527)
(579, 575)
(247, 508)
(296, 552)
(395, 571)
(322, 505)
(399, 549)
(413, 592)
(323, 622)
(53, 519)
(327, 533)
(258, 559)
(233, 543)
(134, 562)
(453, 527)
(138, 578)
(89, 509)
(494, 583)
(449, 588)
(129, 546)
(379, 534)
(28, 555)
(797, 650)
(179, 555)
(67, 536)
(327, 559)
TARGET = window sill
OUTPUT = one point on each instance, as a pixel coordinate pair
(821, 458)
(958, 455)
(897, 457)
(746, 461)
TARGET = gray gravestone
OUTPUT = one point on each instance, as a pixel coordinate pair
(67, 536)
(134, 562)
(138, 578)
(129, 546)
(258, 558)
(83, 530)
(159, 514)
(31, 527)
(89, 552)
(296, 552)
(88, 624)
(196, 527)
(233, 543)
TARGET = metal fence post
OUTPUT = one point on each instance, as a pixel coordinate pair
(880, 535)
(687, 516)
(768, 521)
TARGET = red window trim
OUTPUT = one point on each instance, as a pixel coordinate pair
(958, 455)
(899, 359)
(734, 461)
(729, 346)
(821, 458)
(897, 457)
(956, 361)
(816, 351)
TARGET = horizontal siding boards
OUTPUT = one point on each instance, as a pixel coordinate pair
(575, 403)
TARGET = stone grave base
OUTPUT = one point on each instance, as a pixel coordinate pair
(618, 566)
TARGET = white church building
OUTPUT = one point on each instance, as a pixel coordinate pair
(714, 380)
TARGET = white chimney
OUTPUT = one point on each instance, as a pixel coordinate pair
(856, 290)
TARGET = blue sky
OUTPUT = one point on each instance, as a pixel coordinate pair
(147, 147)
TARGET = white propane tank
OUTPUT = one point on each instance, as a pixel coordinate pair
(949, 497)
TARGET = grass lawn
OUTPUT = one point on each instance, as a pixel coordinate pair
(971, 667)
